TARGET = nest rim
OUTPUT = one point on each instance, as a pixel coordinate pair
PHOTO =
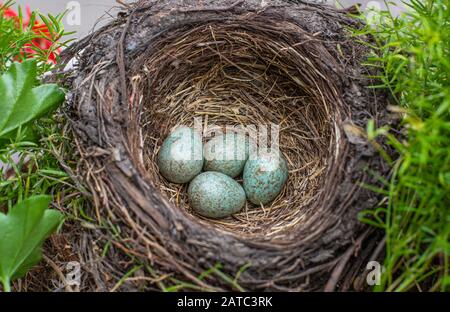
(109, 109)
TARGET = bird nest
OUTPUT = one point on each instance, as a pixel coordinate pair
(290, 67)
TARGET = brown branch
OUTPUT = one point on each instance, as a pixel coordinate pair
(336, 274)
(210, 8)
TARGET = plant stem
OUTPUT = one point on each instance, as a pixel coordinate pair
(6, 285)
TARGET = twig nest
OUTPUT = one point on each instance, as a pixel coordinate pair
(264, 176)
(215, 195)
(223, 62)
(227, 153)
(180, 158)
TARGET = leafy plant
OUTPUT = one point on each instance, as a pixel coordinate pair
(412, 52)
(23, 231)
(25, 36)
(28, 49)
(22, 100)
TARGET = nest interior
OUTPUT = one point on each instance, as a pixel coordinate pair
(292, 65)
(243, 74)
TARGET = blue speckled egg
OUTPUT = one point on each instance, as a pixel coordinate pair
(215, 195)
(180, 158)
(264, 176)
(227, 153)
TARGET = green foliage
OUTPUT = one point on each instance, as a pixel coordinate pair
(19, 33)
(33, 168)
(21, 100)
(31, 143)
(413, 54)
(23, 231)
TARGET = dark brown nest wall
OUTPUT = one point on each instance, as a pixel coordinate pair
(164, 63)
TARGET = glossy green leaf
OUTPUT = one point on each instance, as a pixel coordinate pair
(21, 101)
(22, 232)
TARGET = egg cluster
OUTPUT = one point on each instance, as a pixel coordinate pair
(214, 193)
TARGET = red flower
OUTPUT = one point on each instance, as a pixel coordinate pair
(9, 13)
(43, 40)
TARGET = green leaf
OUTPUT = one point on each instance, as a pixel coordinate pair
(22, 233)
(21, 101)
(22, 134)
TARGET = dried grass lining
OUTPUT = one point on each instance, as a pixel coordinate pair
(166, 62)
(241, 73)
